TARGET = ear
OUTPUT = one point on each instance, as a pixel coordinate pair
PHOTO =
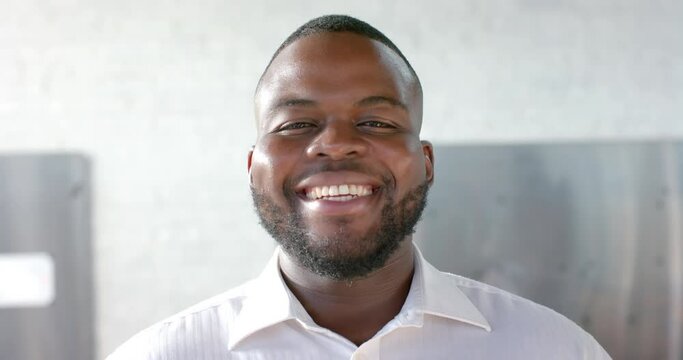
(249, 156)
(428, 151)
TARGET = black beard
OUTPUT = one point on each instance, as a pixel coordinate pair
(286, 226)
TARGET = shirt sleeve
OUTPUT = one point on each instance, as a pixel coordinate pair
(593, 350)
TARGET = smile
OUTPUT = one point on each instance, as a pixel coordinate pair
(344, 192)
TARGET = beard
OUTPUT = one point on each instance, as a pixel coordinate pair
(342, 256)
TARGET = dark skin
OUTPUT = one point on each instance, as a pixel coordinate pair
(328, 99)
(358, 310)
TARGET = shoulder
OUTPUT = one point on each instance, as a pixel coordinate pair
(204, 323)
(532, 325)
(498, 305)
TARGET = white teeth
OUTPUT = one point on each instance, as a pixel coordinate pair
(341, 198)
(334, 190)
(342, 192)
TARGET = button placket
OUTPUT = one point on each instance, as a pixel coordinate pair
(368, 350)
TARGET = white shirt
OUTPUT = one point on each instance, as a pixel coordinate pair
(445, 316)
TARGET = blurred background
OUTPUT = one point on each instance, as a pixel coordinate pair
(124, 130)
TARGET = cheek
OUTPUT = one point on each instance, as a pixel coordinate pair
(407, 164)
(264, 168)
(272, 163)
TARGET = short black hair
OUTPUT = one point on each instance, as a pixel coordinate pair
(339, 23)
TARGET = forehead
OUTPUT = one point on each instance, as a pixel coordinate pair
(337, 67)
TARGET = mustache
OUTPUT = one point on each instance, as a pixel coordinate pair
(331, 166)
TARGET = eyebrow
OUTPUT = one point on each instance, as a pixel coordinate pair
(380, 100)
(290, 102)
(365, 102)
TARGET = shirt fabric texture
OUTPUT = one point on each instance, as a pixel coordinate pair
(445, 316)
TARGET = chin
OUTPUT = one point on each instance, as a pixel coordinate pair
(342, 247)
(336, 248)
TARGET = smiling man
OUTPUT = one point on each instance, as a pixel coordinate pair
(339, 178)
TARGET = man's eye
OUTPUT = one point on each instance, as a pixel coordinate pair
(295, 127)
(377, 126)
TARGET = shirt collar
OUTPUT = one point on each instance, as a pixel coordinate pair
(269, 301)
(440, 295)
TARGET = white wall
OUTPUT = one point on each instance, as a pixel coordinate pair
(158, 94)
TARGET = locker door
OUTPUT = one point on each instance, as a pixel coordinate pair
(45, 240)
(594, 231)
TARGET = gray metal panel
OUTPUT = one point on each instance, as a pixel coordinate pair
(590, 230)
(45, 207)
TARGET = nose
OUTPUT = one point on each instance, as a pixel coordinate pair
(337, 140)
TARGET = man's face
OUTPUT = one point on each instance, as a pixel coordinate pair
(339, 174)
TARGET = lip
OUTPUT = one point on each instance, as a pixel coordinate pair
(337, 178)
(330, 208)
(322, 207)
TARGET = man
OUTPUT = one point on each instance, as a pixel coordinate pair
(339, 178)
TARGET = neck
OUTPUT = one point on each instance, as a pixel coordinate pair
(354, 309)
